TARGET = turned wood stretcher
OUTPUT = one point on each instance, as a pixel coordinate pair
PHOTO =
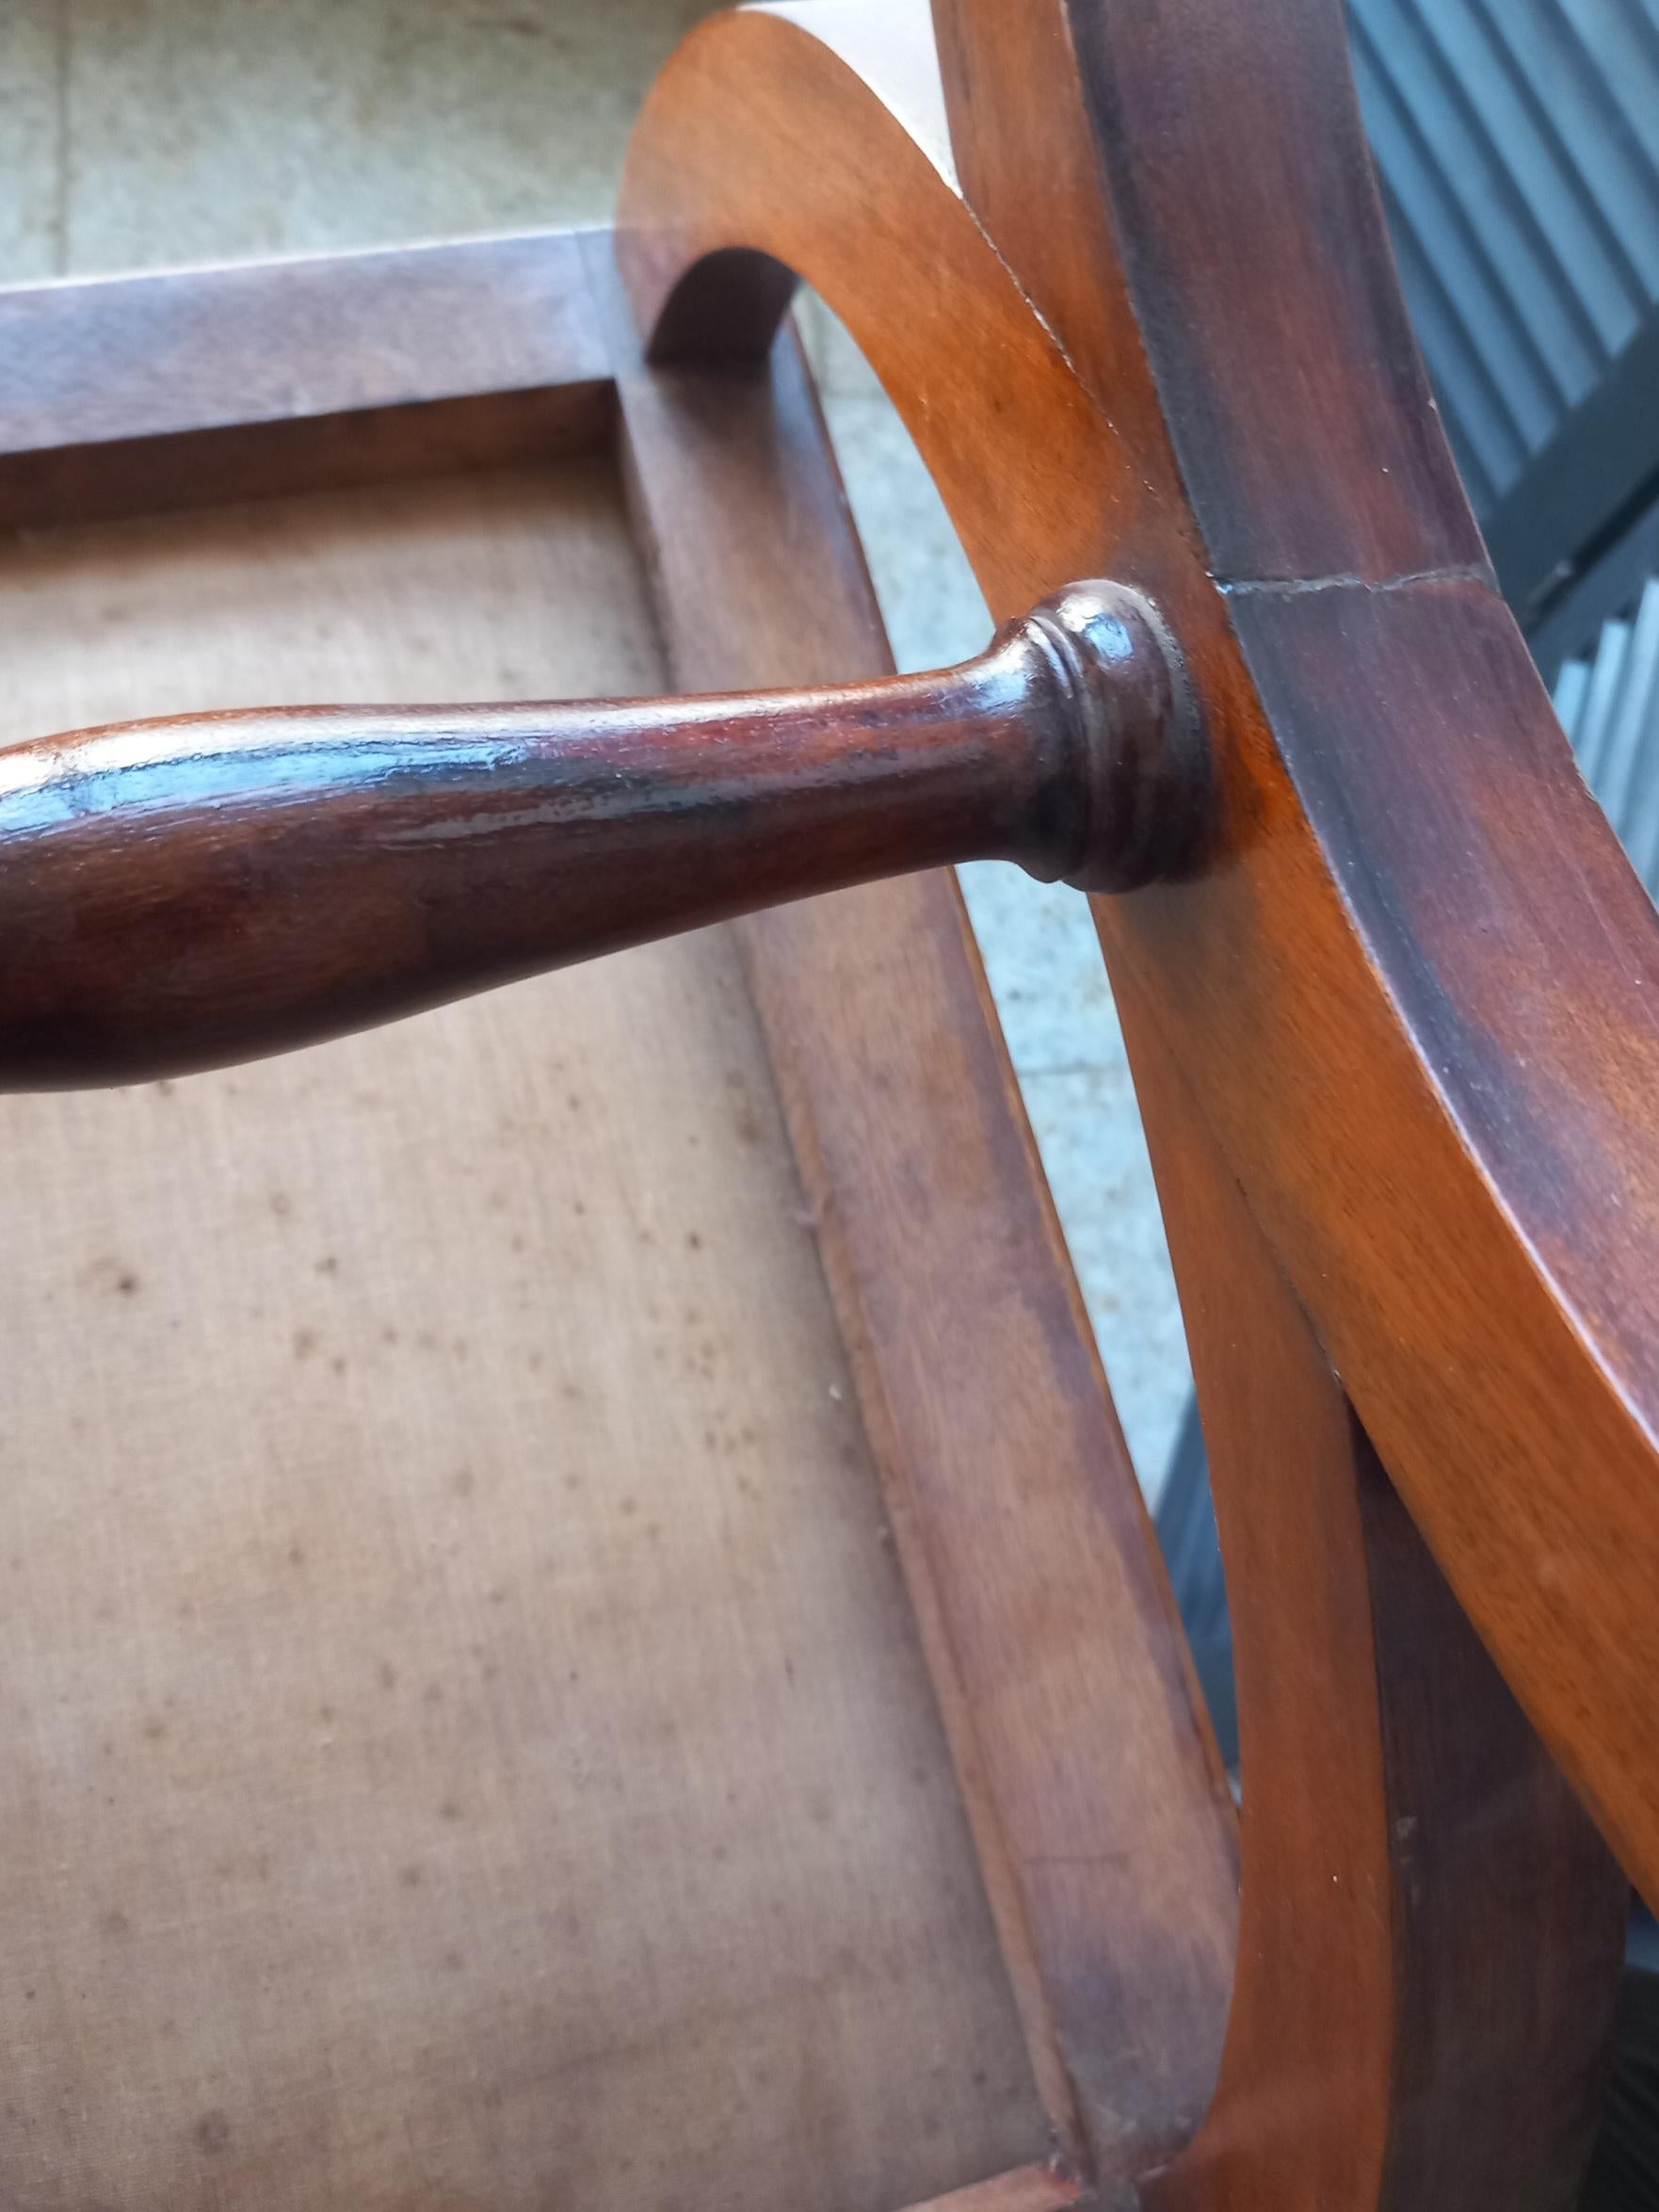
(578, 1626)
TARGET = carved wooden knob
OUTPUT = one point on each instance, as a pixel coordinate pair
(176, 894)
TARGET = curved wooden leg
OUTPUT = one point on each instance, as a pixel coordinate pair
(1429, 1919)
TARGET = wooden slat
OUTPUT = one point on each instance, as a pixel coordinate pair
(316, 372)
(1097, 1799)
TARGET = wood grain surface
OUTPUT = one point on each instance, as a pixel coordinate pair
(1397, 1029)
(1429, 1917)
(1099, 1808)
(1411, 984)
(1380, 1164)
(129, 395)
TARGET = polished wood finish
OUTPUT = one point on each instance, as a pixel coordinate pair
(176, 894)
(1121, 267)
(1487, 959)
(1428, 1917)
(1102, 1820)
(1397, 1190)
(133, 395)
(1166, 307)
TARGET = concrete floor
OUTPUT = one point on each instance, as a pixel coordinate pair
(137, 133)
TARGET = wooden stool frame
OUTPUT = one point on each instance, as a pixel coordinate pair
(1395, 1037)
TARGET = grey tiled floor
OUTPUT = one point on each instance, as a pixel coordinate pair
(142, 133)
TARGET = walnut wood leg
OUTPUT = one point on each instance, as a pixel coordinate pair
(1429, 1917)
